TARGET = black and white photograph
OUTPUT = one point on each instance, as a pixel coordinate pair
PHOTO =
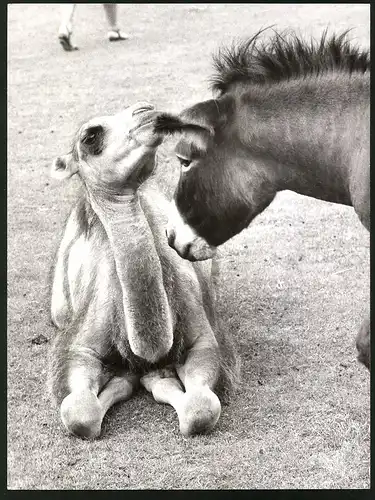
(188, 246)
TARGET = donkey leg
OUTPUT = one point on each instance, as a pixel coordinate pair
(363, 343)
(200, 408)
(360, 195)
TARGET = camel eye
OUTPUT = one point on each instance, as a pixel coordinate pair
(92, 135)
(93, 140)
(89, 139)
(185, 163)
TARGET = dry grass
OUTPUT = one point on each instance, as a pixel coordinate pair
(294, 287)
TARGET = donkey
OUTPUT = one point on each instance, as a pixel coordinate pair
(289, 114)
(127, 308)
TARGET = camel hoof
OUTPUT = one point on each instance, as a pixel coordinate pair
(81, 414)
(200, 413)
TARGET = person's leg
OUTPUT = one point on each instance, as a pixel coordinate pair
(66, 26)
(67, 14)
(114, 33)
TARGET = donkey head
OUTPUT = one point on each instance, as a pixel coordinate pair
(211, 201)
(113, 152)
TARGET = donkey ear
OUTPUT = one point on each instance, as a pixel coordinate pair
(198, 123)
(63, 167)
(166, 123)
(198, 135)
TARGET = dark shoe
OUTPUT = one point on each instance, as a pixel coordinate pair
(117, 35)
(66, 43)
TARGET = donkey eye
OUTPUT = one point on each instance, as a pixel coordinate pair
(185, 164)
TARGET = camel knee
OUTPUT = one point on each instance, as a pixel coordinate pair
(81, 414)
(199, 413)
(363, 344)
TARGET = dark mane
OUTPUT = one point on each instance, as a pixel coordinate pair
(285, 55)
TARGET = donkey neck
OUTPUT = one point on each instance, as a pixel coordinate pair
(306, 133)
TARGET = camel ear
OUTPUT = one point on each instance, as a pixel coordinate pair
(63, 167)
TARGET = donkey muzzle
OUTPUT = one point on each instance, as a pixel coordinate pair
(196, 249)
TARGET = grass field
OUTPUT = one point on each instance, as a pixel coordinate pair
(294, 286)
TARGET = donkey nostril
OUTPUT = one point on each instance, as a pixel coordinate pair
(185, 254)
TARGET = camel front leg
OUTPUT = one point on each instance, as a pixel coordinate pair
(165, 387)
(198, 408)
(192, 409)
(92, 391)
(119, 388)
(80, 410)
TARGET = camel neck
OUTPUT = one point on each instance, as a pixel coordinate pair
(147, 314)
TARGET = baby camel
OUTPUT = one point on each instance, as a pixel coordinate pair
(127, 308)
